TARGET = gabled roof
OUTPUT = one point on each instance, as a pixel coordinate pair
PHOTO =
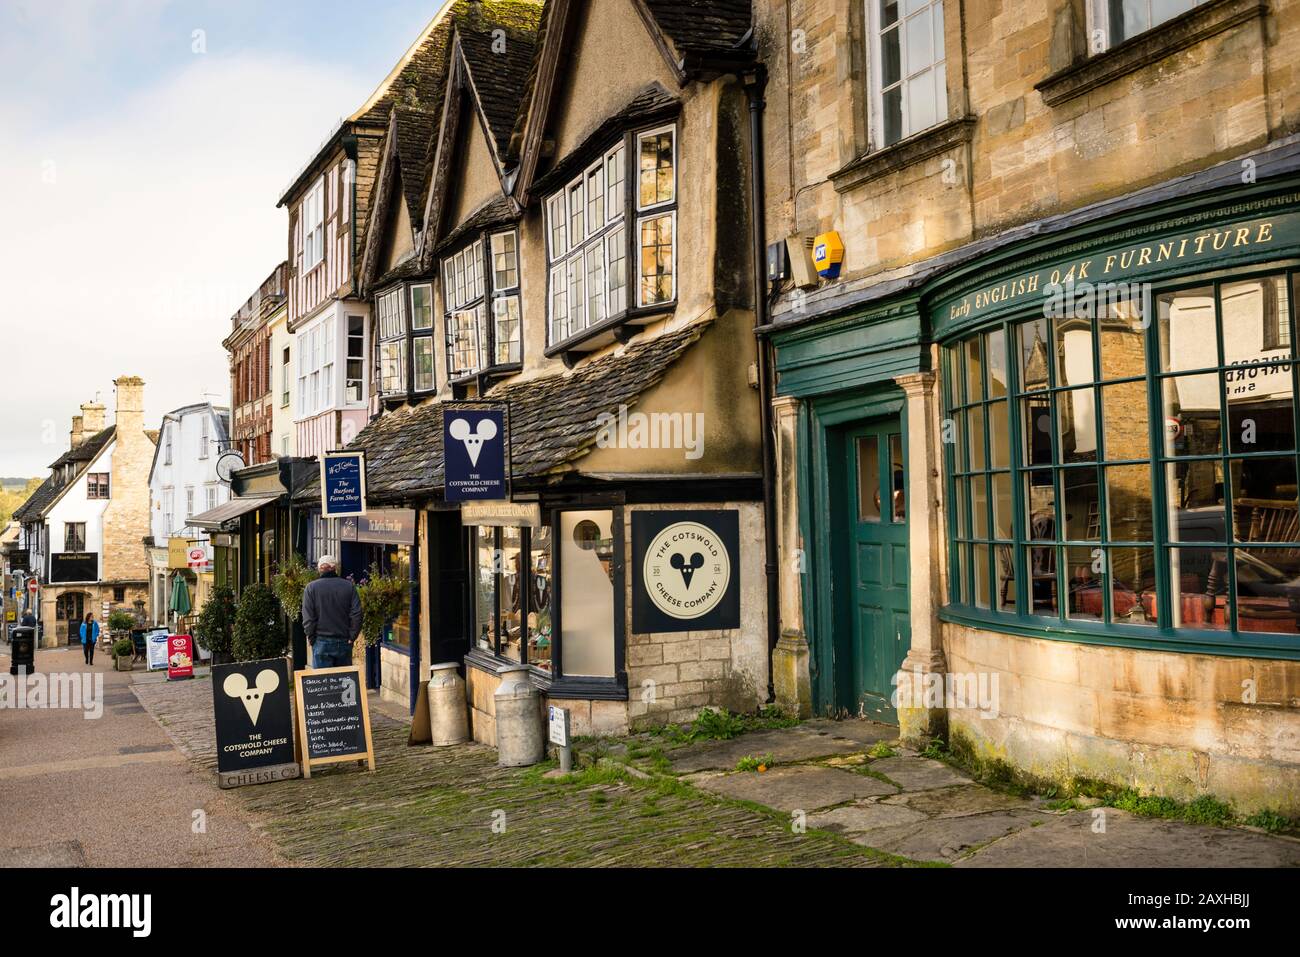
(554, 420)
(702, 29)
(52, 488)
(413, 131)
(220, 437)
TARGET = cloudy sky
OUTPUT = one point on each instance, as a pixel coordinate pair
(145, 145)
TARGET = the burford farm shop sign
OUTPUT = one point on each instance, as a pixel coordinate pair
(685, 571)
(342, 484)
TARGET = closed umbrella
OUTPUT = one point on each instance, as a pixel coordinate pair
(180, 596)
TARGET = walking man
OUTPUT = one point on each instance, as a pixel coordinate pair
(331, 616)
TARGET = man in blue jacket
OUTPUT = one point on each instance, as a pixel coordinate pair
(331, 616)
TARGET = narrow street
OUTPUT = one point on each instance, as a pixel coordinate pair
(129, 784)
(111, 791)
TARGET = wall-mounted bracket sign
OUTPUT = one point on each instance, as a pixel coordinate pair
(254, 721)
(342, 484)
(333, 717)
(476, 451)
(685, 570)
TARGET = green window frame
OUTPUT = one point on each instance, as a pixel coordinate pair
(1090, 495)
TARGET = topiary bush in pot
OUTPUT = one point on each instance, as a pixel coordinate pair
(258, 632)
(216, 624)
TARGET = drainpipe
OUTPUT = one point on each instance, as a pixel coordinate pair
(755, 83)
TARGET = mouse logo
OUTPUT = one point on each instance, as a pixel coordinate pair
(473, 439)
(679, 562)
(236, 686)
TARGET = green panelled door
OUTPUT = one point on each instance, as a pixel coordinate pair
(877, 532)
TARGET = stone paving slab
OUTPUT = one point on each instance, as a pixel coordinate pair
(960, 801)
(785, 745)
(950, 838)
(1069, 840)
(918, 774)
(54, 854)
(795, 788)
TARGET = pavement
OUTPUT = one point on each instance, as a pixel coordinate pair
(127, 788)
(113, 790)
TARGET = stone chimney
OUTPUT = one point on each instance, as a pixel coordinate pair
(92, 418)
(126, 516)
(78, 432)
(130, 405)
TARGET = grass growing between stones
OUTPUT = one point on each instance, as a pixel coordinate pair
(715, 725)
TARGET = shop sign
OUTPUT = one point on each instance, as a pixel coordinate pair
(254, 722)
(178, 550)
(180, 657)
(198, 557)
(475, 440)
(557, 723)
(503, 514)
(384, 526)
(74, 567)
(155, 650)
(19, 559)
(342, 484)
(333, 717)
(1197, 249)
(686, 571)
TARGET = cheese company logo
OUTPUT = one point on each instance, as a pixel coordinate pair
(687, 570)
(472, 438)
(236, 686)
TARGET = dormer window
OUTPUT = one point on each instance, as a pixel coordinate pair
(588, 243)
(405, 316)
(481, 296)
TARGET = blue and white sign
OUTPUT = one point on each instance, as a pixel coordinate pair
(474, 443)
(342, 484)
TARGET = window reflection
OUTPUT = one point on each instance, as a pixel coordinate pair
(539, 599)
(485, 581)
(1186, 329)
(512, 580)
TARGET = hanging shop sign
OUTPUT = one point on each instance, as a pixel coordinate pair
(503, 514)
(199, 557)
(342, 484)
(178, 553)
(333, 717)
(254, 721)
(19, 559)
(74, 567)
(380, 526)
(686, 570)
(475, 446)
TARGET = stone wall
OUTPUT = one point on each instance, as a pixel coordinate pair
(126, 517)
(1175, 724)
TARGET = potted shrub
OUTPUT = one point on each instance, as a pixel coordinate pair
(123, 652)
(383, 599)
(294, 577)
(258, 632)
(216, 624)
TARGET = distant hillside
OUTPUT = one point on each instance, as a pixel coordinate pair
(13, 492)
(8, 482)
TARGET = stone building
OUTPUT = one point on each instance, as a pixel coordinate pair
(1037, 429)
(86, 525)
(257, 370)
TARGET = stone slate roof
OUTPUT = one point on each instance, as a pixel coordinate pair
(413, 131)
(650, 104)
(553, 421)
(500, 77)
(495, 212)
(44, 496)
(419, 83)
(703, 28)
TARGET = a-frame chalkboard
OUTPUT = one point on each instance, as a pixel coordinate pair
(333, 717)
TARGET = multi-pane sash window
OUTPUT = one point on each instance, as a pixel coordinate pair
(656, 225)
(1132, 463)
(392, 342)
(285, 377)
(355, 372)
(909, 79)
(587, 242)
(483, 318)
(1114, 21)
(205, 437)
(313, 226)
(97, 485)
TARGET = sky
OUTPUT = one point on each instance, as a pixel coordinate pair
(143, 147)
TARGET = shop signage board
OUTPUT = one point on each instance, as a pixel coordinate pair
(19, 559)
(342, 484)
(74, 567)
(380, 526)
(685, 570)
(180, 657)
(333, 717)
(475, 445)
(557, 723)
(198, 557)
(504, 514)
(253, 711)
(155, 645)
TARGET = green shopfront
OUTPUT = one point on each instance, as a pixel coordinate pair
(1082, 549)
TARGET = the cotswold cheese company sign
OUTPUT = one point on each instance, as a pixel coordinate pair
(254, 721)
(686, 570)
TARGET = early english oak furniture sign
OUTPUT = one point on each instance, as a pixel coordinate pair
(685, 570)
(254, 722)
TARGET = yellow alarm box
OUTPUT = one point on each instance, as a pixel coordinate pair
(828, 254)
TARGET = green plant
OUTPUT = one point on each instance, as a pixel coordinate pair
(751, 763)
(122, 648)
(216, 622)
(294, 577)
(935, 748)
(1270, 821)
(384, 598)
(119, 619)
(258, 632)
(881, 750)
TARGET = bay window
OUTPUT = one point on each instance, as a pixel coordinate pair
(1132, 463)
(482, 307)
(588, 240)
(404, 318)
